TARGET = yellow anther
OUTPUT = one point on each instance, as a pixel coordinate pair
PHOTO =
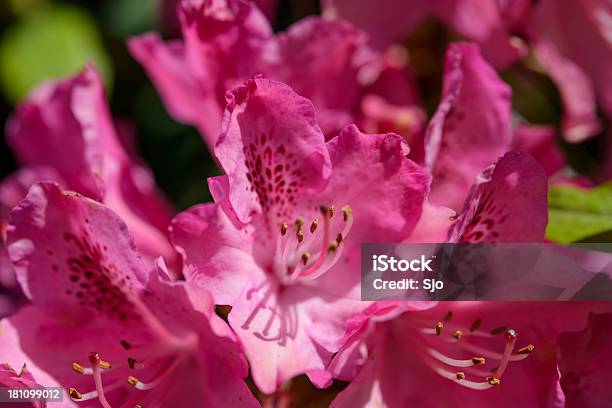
(457, 334)
(347, 213)
(527, 349)
(314, 225)
(439, 328)
(305, 257)
(105, 365)
(333, 246)
(284, 227)
(461, 375)
(78, 368)
(300, 234)
(478, 360)
(133, 381)
(74, 394)
(493, 381)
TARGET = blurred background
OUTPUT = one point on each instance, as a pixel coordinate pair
(44, 39)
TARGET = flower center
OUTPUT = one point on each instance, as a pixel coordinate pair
(163, 362)
(305, 252)
(486, 367)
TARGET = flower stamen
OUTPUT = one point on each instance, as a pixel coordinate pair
(438, 361)
(94, 360)
(295, 259)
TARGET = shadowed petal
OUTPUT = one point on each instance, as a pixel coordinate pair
(508, 203)
(471, 127)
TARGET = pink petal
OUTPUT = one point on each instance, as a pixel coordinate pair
(580, 120)
(22, 379)
(133, 195)
(12, 190)
(358, 331)
(363, 391)
(397, 372)
(49, 347)
(584, 360)
(486, 23)
(167, 66)
(15, 186)
(15, 359)
(216, 254)
(433, 225)
(59, 244)
(471, 127)
(541, 143)
(481, 21)
(321, 60)
(385, 21)
(385, 192)
(384, 189)
(391, 101)
(272, 331)
(183, 307)
(67, 127)
(221, 257)
(578, 70)
(508, 203)
(271, 149)
(230, 30)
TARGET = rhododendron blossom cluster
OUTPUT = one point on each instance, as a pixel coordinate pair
(324, 141)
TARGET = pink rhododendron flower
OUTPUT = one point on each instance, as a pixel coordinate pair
(506, 204)
(104, 326)
(503, 29)
(226, 42)
(66, 128)
(470, 354)
(390, 21)
(281, 244)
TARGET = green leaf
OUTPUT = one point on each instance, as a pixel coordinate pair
(49, 42)
(576, 213)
